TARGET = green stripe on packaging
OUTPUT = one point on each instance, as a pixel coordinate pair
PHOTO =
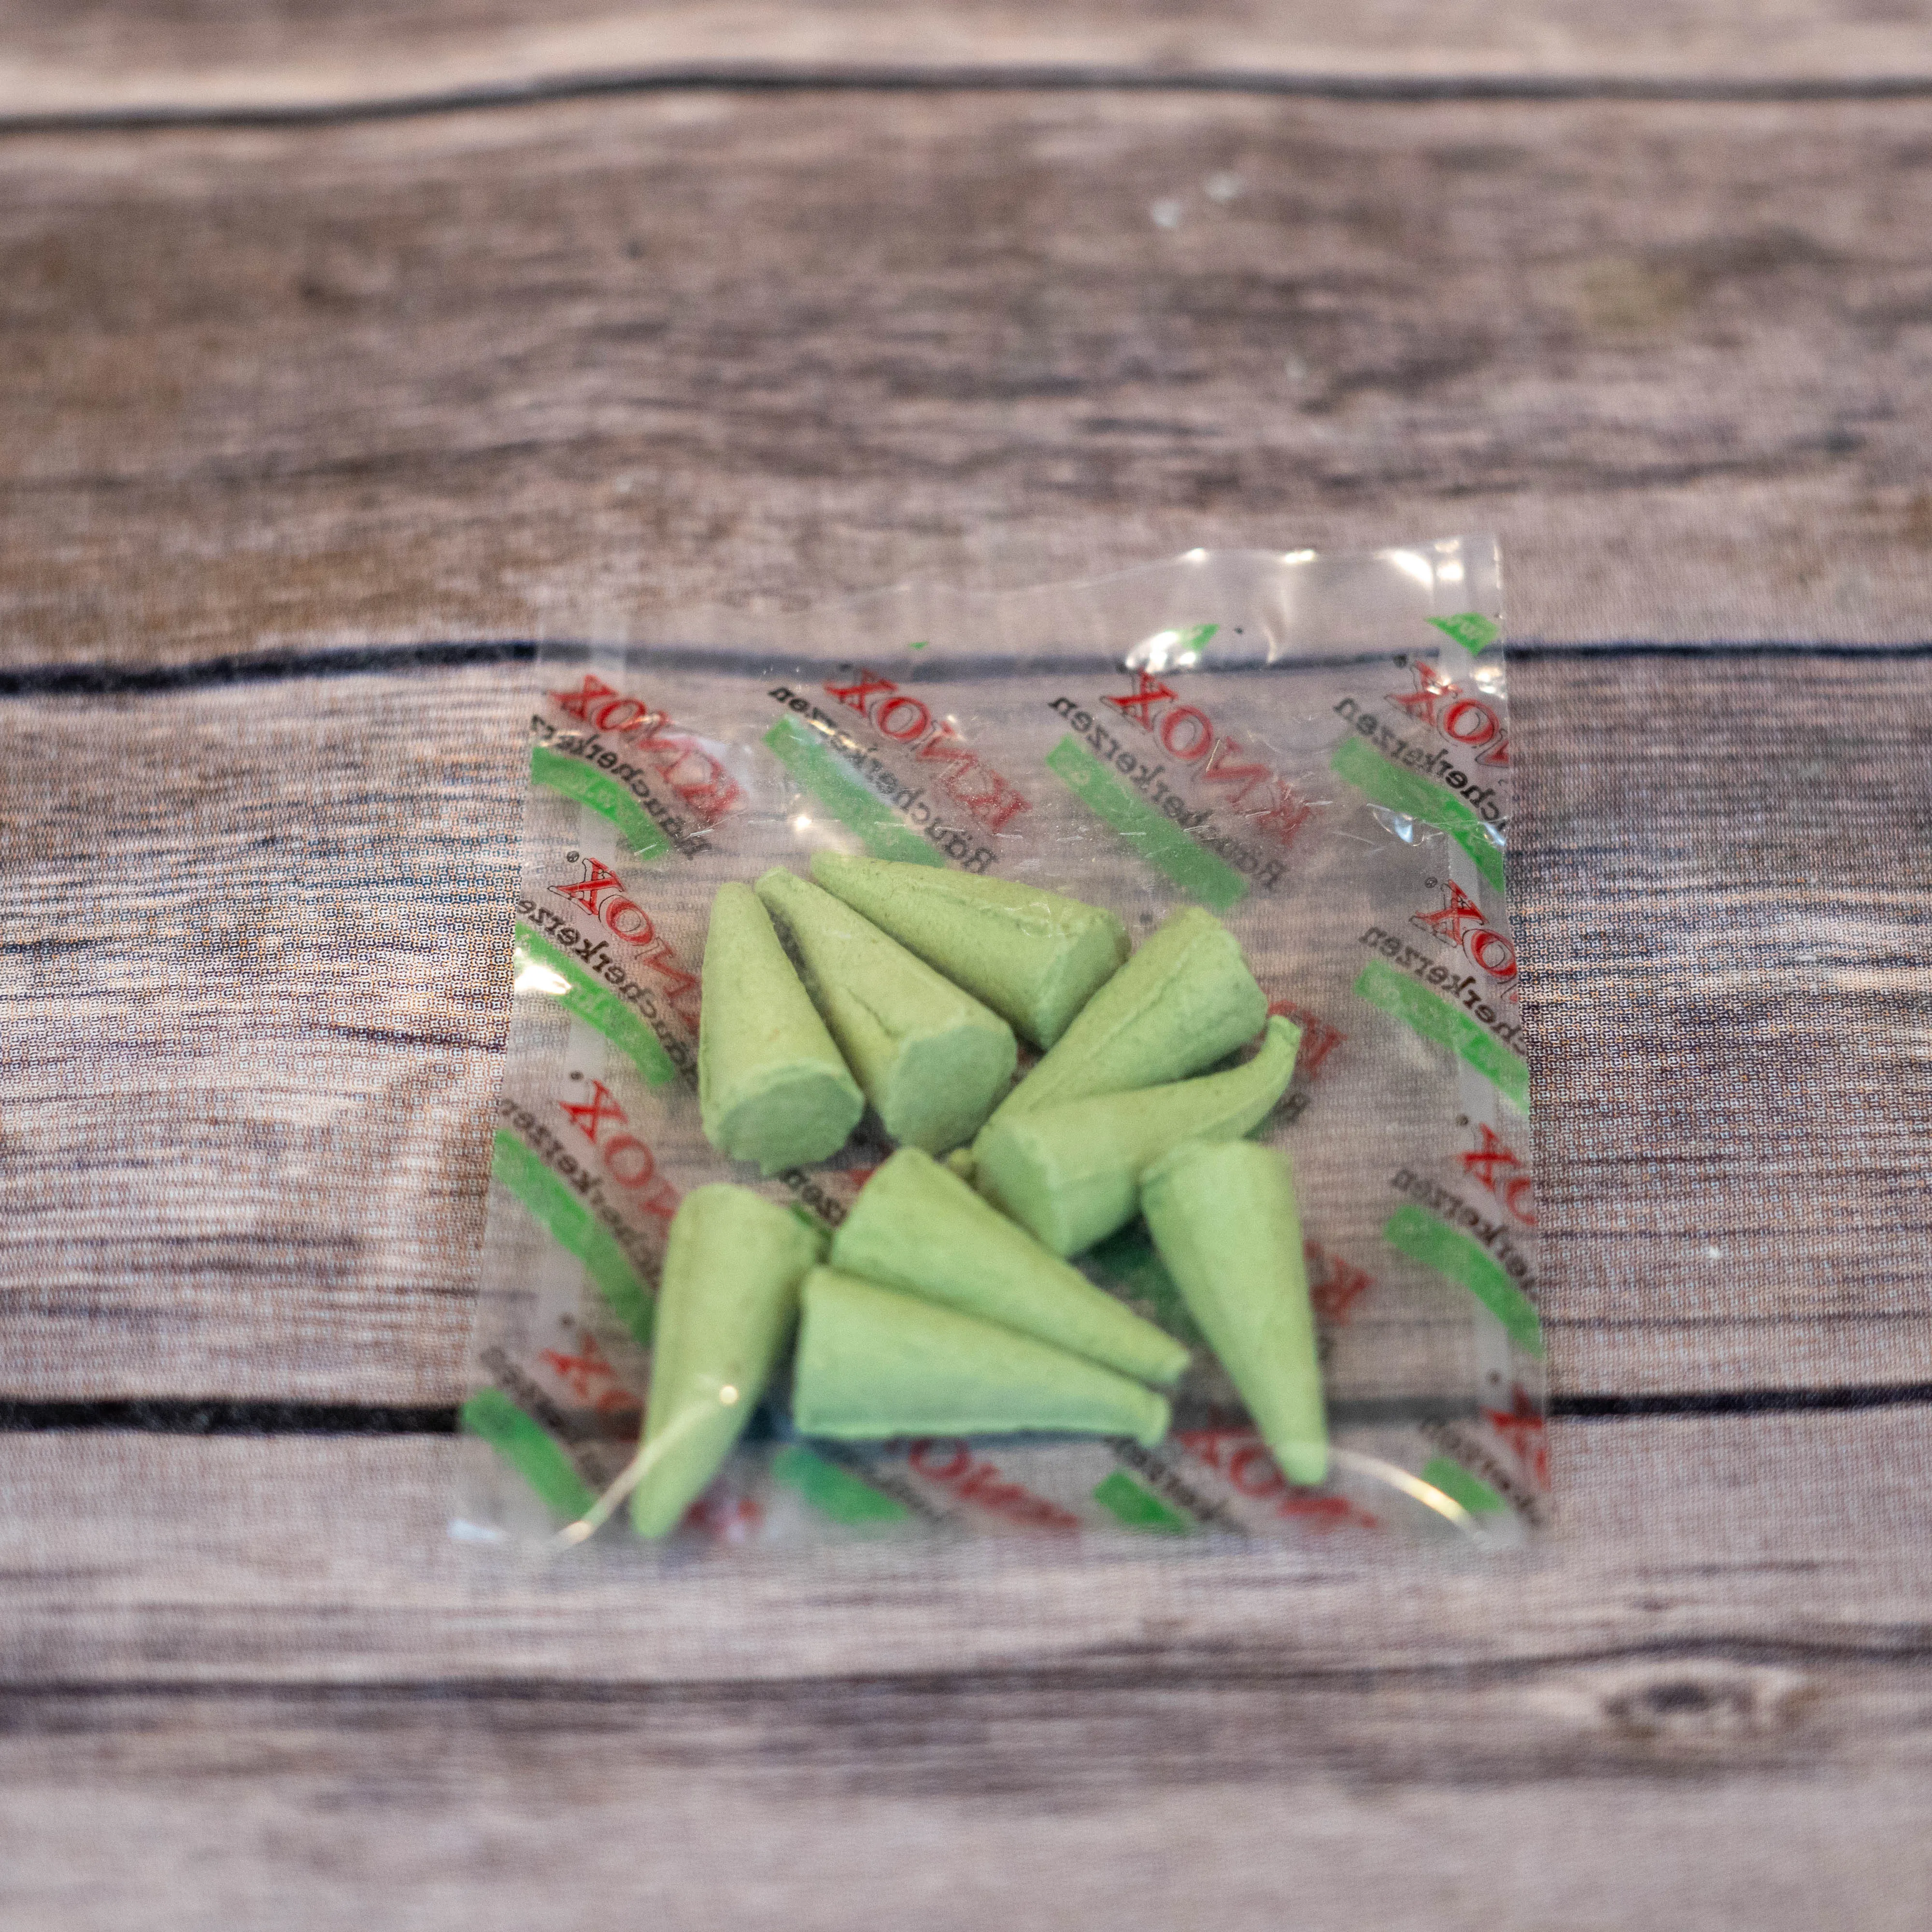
(596, 1005)
(530, 1450)
(833, 1491)
(571, 1224)
(1123, 1499)
(1159, 840)
(1450, 1251)
(1422, 799)
(849, 799)
(603, 794)
(1434, 1019)
(1444, 1473)
(1471, 629)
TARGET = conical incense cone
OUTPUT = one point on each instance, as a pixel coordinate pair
(1071, 1175)
(1224, 1220)
(726, 1304)
(917, 1226)
(771, 1084)
(1186, 999)
(1035, 957)
(932, 1060)
(873, 1364)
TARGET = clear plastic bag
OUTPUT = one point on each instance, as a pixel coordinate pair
(1315, 747)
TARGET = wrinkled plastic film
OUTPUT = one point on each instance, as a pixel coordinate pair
(1316, 749)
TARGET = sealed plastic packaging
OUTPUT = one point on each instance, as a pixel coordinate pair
(1178, 830)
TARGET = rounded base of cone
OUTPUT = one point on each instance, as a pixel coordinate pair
(793, 1116)
(942, 1086)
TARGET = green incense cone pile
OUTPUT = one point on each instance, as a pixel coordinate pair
(1034, 956)
(932, 1060)
(725, 1308)
(1182, 1002)
(872, 1364)
(917, 1226)
(1223, 1217)
(1072, 1173)
(771, 1085)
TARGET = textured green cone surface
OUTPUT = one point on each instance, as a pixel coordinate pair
(771, 1084)
(873, 1363)
(725, 1308)
(1223, 1216)
(1183, 1000)
(1034, 956)
(932, 1060)
(917, 1226)
(1071, 1174)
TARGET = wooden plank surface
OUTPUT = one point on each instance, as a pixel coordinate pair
(261, 933)
(492, 1814)
(517, 375)
(146, 1562)
(1708, 1700)
(65, 59)
(524, 372)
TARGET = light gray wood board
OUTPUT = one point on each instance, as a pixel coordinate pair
(105, 58)
(1796, 1543)
(254, 1670)
(1241, 1808)
(262, 933)
(529, 373)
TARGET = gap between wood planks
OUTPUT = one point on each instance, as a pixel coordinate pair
(758, 77)
(111, 680)
(192, 1415)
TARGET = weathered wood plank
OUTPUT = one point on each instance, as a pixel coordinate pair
(509, 374)
(261, 932)
(252, 1665)
(1796, 1543)
(1724, 893)
(60, 59)
(956, 1806)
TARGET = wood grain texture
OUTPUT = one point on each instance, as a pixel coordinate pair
(260, 934)
(526, 374)
(254, 1667)
(224, 54)
(145, 1562)
(844, 1810)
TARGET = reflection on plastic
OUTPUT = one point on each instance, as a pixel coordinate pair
(534, 976)
(1413, 1486)
(649, 1456)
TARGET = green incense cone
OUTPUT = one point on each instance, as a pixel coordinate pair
(1072, 1173)
(1032, 955)
(932, 1060)
(725, 1307)
(1183, 1000)
(917, 1226)
(771, 1085)
(873, 1364)
(1223, 1216)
